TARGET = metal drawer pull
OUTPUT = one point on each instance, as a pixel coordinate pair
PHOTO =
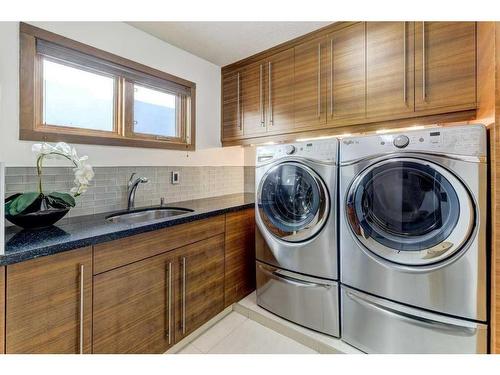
(261, 99)
(404, 63)
(331, 77)
(319, 80)
(424, 89)
(467, 328)
(292, 280)
(238, 110)
(184, 295)
(169, 307)
(270, 95)
(82, 291)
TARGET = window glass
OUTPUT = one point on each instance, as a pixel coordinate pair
(77, 98)
(154, 112)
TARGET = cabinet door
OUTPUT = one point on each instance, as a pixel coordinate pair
(201, 284)
(44, 300)
(253, 99)
(232, 127)
(389, 68)
(134, 307)
(445, 65)
(310, 84)
(2, 310)
(279, 84)
(239, 255)
(347, 78)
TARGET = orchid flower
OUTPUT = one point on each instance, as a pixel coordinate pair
(83, 171)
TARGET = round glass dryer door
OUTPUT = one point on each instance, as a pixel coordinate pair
(410, 211)
(292, 202)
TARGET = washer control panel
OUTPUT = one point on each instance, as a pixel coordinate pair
(323, 150)
(467, 140)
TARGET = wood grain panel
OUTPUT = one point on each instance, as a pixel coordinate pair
(445, 65)
(239, 256)
(231, 119)
(43, 304)
(310, 84)
(111, 255)
(348, 72)
(280, 86)
(389, 68)
(203, 289)
(2, 310)
(131, 307)
(253, 98)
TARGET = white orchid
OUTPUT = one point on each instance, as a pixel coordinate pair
(83, 171)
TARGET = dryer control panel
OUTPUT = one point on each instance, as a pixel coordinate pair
(468, 140)
(322, 150)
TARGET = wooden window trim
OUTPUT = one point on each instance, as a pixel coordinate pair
(30, 121)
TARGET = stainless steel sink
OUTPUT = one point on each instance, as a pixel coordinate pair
(141, 216)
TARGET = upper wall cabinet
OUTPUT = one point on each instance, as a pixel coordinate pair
(352, 73)
(389, 74)
(445, 65)
(310, 84)
(347, 74)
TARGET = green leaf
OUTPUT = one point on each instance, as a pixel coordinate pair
(22, 202)
(64, 198)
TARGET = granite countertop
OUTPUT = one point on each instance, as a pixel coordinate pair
(73, 233)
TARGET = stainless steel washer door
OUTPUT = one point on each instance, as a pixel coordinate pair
(410, 211)
(292, 202)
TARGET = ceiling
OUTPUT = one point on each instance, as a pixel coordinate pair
(223, 43)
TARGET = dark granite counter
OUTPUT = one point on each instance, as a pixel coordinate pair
(73, 233)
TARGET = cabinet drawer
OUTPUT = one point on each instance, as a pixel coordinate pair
(124, 251)
(376, 325)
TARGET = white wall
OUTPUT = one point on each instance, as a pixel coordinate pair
(124, 40)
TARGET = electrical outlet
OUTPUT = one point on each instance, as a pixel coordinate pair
(175, 177)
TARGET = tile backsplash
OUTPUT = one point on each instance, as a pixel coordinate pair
(108, 191)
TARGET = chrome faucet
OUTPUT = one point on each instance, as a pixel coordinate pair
(132, 187)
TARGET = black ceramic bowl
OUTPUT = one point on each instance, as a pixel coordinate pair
(39, 219)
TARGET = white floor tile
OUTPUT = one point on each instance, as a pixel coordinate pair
(190, 349)
(219, 331)
(253, 338)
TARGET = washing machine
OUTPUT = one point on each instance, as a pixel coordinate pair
(296, 234)
(413, 241)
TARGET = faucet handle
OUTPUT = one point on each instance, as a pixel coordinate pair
(131, 178)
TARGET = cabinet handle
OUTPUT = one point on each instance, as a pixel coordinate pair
(261, 99)
(169, 303)
(424, 89)
(184, 295)
(319, 80)
(270, 95)
(331, 77)
(238, 111)
(82, 291)
(404, 63)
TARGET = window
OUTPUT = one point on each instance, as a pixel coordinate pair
(75, 93)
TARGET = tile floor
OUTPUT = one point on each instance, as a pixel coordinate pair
(236, 334)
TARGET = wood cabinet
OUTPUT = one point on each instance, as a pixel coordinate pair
(347, 74)
(390, 68)
(445, 65)
(232, 126)
(356, 74)
(310, 84)
(134, 307)
(279, 107)
(200, 292)
(239, 255)
(252, 80)
(2, 310)
(49, 304)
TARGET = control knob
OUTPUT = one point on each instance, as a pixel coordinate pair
(290, 149)
(401, 141)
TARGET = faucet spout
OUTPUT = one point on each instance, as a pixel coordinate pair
(132, 187)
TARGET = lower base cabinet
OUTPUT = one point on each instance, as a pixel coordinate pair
(133, 307)
(49, 304)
